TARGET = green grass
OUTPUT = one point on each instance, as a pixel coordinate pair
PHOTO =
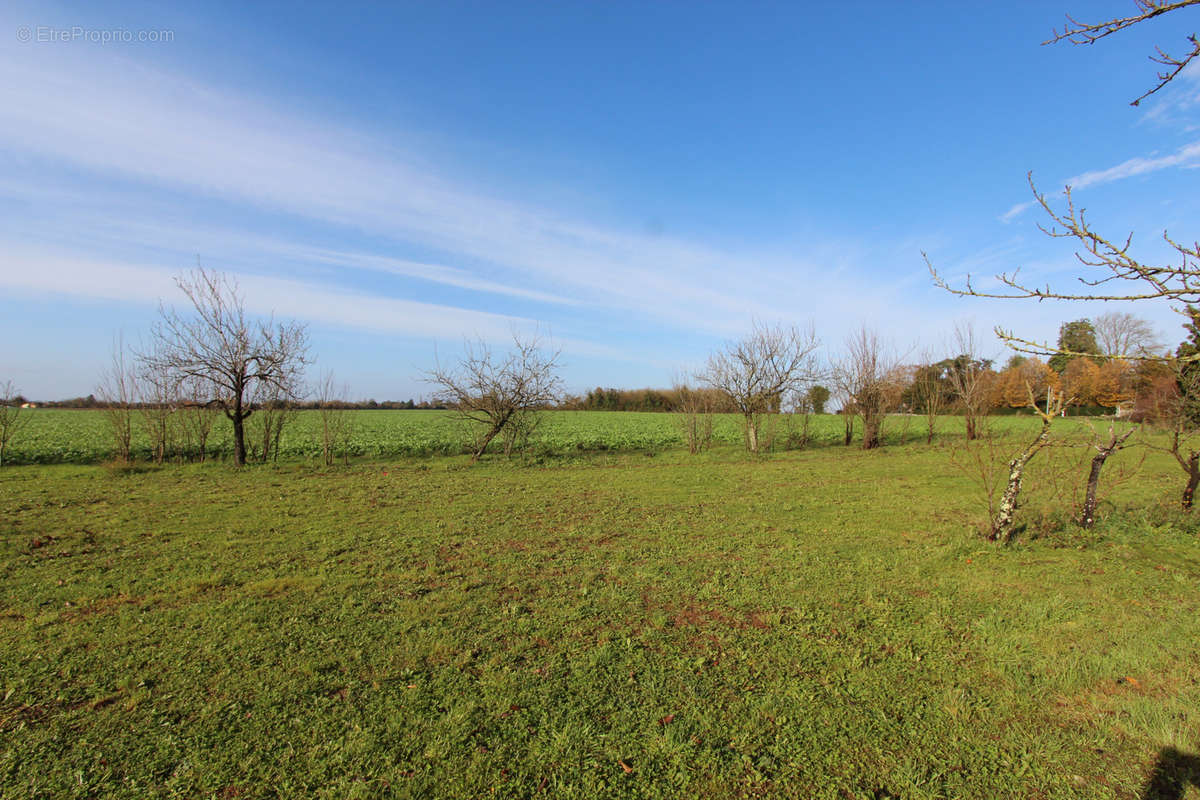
(816, 624)
(58, 436)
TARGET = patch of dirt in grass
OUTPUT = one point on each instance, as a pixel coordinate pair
(102, 605)
(694, 613)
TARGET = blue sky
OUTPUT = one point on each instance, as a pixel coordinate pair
(640, 182)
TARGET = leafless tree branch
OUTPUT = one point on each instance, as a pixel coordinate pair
(1077, 32)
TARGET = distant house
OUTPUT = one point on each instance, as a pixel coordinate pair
(28, 405)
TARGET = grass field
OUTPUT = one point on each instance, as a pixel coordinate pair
(817, 624)
(56, 436)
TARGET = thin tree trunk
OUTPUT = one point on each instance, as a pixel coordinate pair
(1087, 516)
(1002, 528)
(497, 426)
(486, 441)
(1189, 491)
(751, 434)
(972, 434)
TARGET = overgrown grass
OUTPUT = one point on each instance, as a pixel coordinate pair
(816, 624)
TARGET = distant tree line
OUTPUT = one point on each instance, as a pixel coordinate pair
(668, 400)
(305, 404)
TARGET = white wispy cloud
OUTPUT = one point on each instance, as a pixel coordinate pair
(1017, 210)
(1186, 157)
(115, 228)
(108, 158)
(1175, 106)
(120, 121)
(42, 271)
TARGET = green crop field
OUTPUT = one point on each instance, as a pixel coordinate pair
(54, 436)
(820, 623)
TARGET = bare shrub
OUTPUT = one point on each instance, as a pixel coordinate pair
(499, 393)
(118, 395)
(757, 373)
(158, 396)
(695, 408)
(969, 377)
(336, 423)
(274, 410)
(196, 414)
(868, 374)
(12, 417)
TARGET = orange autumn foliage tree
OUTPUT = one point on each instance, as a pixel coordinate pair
(1015, 384)
(1079, 381)
(1115, 383)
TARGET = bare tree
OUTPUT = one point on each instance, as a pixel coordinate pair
(335, 420)
(1123, 335)
(968, 377)
(695, 408)
(239, 357)
(868, 375)
(758, 372)
(12, 418)
(499, 393)
(118, 393)
(929, 395)
(1104, 449)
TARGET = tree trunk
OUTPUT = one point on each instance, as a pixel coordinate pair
(849, 423)
(1002, 528)
(870, 434)
(751, 434)
(486, 441)
(1189, 491)
(239, 434)
(971, 432)
(1087, 516)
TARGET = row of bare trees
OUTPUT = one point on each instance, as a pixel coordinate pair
(777, 368)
